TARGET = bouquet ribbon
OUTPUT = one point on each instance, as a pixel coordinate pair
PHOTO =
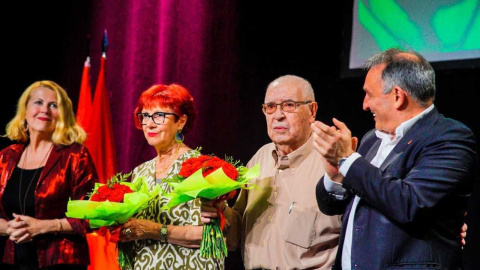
(221, 215)
(114, 233)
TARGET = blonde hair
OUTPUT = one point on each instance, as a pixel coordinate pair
(66, 130)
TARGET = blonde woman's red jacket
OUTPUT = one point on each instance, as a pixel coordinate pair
(69, 173)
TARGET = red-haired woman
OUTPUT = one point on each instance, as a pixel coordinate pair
(165, 239)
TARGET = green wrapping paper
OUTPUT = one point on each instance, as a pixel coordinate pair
(109, 213)
(210, 187)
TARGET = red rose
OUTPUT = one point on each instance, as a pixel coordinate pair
(113, 194)
(95, 197)
(208, 164)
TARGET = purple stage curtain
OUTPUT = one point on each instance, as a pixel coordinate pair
(192, 43)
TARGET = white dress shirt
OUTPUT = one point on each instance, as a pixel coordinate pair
(388, 143)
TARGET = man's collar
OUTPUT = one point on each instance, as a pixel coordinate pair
(404, 127)
(293, 159)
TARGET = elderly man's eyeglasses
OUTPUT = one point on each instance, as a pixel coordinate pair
(286, 106)
(157, 117)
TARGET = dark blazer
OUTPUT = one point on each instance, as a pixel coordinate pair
(68, 173)
(412, 207)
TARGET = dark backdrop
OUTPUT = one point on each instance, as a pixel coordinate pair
(47, 41)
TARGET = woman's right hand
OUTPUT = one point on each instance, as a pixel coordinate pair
(17, 230)
(136, 229)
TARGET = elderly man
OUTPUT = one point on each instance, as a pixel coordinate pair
(404, 193)
(279, 225)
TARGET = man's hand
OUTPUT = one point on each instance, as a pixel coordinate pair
(333, 144)
(333, 171)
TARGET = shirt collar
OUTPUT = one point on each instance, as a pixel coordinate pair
(404, 127)
(293, 159)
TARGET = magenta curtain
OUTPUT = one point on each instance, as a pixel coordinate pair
(192, 43)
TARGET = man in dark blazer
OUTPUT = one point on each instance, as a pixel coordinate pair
(404, 193)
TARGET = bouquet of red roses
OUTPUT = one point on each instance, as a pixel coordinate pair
(113, 203)
(211, 178)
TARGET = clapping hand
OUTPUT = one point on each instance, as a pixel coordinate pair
(333, 143)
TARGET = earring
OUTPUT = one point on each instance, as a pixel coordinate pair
(25, 125)
(179, 136)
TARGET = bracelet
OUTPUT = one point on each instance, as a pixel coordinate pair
(59, 225)
(163, 234)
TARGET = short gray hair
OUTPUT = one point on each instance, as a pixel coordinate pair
(304, 85)
(407, 69)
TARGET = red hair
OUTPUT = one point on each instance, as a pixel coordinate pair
(172, 96)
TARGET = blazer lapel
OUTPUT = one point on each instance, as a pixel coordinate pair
(16, 153)
(373, 150)
(369, 145)
(396, 152)
(417, 130)
(7, 168)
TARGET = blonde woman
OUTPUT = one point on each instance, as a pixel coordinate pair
(45, 167)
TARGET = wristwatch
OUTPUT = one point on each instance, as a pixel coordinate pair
(163, 233)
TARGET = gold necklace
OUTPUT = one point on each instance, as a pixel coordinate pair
(159, 172)
(23, 208)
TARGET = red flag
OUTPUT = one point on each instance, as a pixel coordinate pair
(84, 108)
(100, 141)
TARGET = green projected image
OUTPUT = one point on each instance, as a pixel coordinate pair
(441, 30)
